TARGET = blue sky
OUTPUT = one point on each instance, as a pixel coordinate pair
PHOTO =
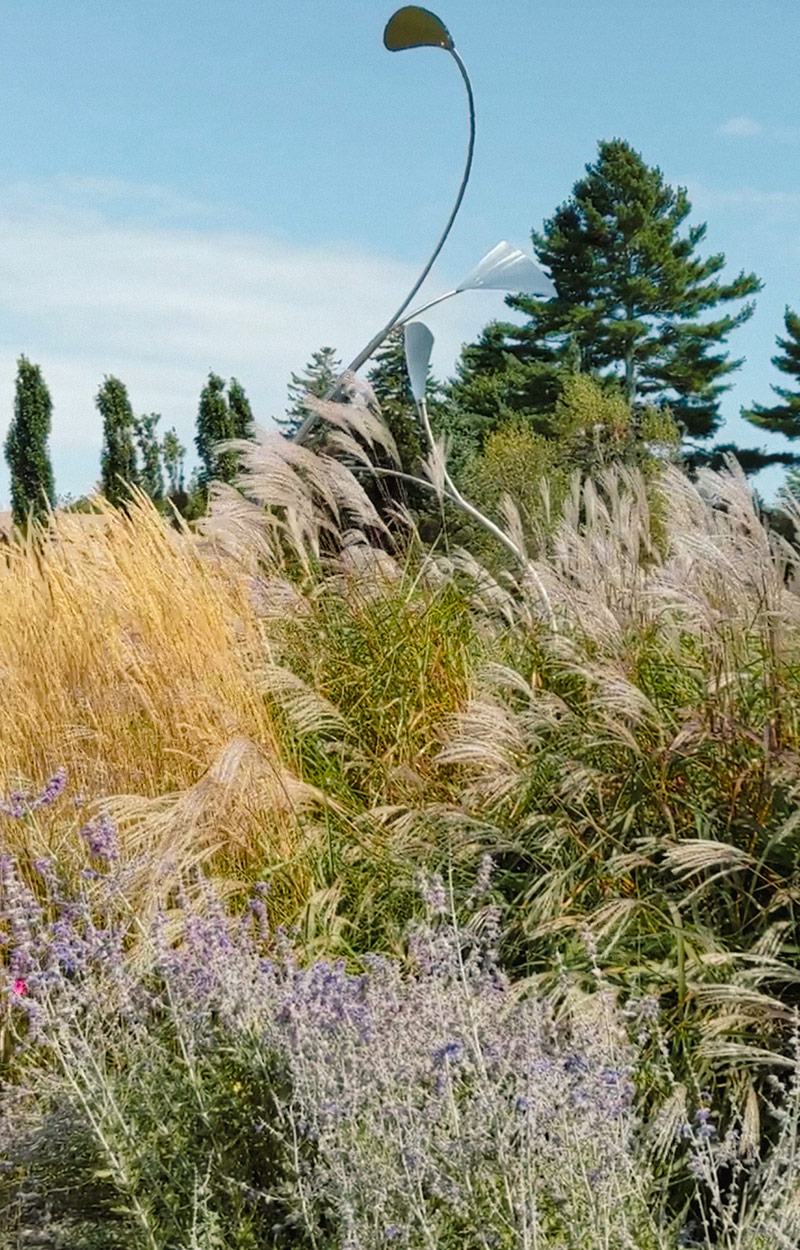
(203, 184)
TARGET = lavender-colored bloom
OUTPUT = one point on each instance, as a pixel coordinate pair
(17, 804)
(433, 892)
(705, 1128)
(20, 803)
(54, 787)
(400, 1145)
(100, 836)
(451, 1052)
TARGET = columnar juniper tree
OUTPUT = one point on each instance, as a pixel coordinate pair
(118, 457)
(214, 426)
(319, 374)
(32, 486)
(220, 417)
(242, 421)
(151, 477)
(783, 418)
(632, 294)
(173, 454)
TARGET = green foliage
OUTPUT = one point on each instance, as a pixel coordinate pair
(631, 294)
(241, 413)
(173, 455)
(220, 417)
(27, 455)
(590, 429)
(151, 478)
(156, 1138)
(783, 418)
(518, 463)
(118, 467)
(389, 379)
(316, 379)
(214, 425)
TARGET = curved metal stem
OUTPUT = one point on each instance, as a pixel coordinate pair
(367, 351)
(416, 312)
(375, 342)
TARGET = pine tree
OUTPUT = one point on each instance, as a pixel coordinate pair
(150, 476)
(173, 455)
(214, 425)
(632, 293)
(317, 378)
(118, 455)
(32, 486)
(783, 418)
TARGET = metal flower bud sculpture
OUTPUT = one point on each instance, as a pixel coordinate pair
(418, 343)
(504, 267)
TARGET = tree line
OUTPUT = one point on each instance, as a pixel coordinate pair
(132, 453)
(629, 361)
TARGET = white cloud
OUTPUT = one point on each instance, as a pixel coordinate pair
(86, 291)
(741, 127)
(748, 128)
(775, 207)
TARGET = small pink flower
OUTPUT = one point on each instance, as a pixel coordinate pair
(20, 987)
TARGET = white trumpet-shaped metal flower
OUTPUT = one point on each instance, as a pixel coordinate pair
(504, 268)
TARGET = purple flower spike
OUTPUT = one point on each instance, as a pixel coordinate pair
(100, 836)
(54, 787)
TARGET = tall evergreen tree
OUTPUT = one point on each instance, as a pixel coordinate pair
(783, 418)
(241, 413)
(221, 416)
(317, 378)
(173, 454)
(632, 294)
(151, 478)
(118, 455)
(32, 486)
(214, 425)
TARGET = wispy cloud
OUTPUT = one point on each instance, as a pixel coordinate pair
(749, 128)
(88, 288)
(741, 127)
(767, 205)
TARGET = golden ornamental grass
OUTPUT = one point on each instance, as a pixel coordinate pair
(127, 656)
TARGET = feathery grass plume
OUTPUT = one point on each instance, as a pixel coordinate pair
(127, 658)
(645, 762)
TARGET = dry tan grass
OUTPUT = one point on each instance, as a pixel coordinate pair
(128, 654)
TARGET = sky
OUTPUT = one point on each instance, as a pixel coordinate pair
(204, 185)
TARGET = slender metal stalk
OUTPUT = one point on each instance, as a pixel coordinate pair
(424, 307)
(374, 343)
(452, 493)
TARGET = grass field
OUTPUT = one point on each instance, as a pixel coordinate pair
(356, 892)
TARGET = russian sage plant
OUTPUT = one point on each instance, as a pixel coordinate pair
(190, 1083)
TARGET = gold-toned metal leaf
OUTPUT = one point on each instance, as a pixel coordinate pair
(413, 27)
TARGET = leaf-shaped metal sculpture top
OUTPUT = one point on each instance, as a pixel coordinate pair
(506, 268)
(413, 27)
(418, 343)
